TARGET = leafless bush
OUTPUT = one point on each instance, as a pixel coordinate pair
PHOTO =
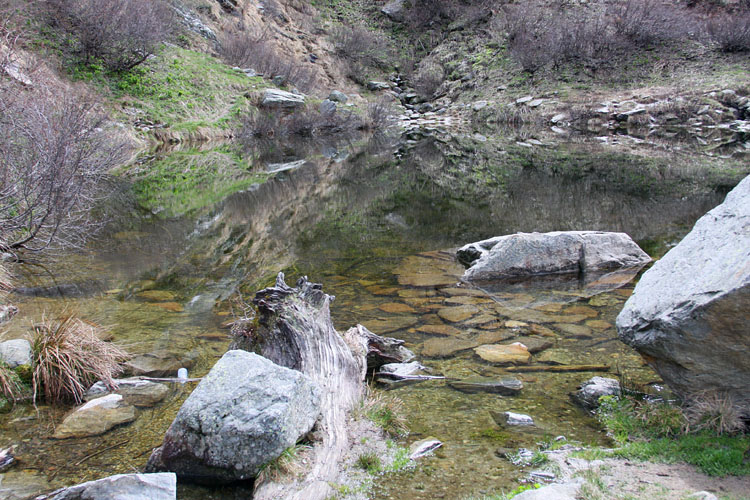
(68, 357)
(731, 31)
(53, 156)
(540, 35)
(379, 115)
(715, 412)
(310, 122)
(120, 33)
(428, 79)
(257, 51)
(644, 22)
(361, 49)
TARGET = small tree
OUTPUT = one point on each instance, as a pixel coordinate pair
(53, 157)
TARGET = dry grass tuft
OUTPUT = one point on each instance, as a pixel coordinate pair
(290, 464)
(69, 356)
(10, 384)
(715, 412)
(385, 410)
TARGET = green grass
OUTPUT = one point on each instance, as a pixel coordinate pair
(370, 462)
(186, 181)
(657, 432)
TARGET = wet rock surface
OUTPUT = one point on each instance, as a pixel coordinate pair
(589, 392)
(506, 386)
(158, 486)
(688, 314)
(95, 417)
(134, 391)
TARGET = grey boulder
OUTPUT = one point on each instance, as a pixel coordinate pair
(529, 254)
(243, 414)
(15, 352)
(688, 315)
(158, 486)
(589, 392)
(394, 10)
(275, 98)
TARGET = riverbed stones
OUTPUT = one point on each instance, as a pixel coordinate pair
(589, 392)
(95, 417)
(156, 295)
(529, 254)
(444, 330)
(574, 331)
(506, 387)
(396, 307)
(15, 352)
(515, 353)
(444, 347)
(688, 315)
(456, 314)
(243, 414)
(134, 391)
(276, 98)
(158, 364)
(157, 486)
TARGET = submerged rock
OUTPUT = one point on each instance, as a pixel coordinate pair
(589, 392)
(134, 391)
(511, 418)
(243, 414)
(506, 387)
(528, 254)
(515, 353)
(159, 364)
(688, 315)
(95, 417)
(158, 486)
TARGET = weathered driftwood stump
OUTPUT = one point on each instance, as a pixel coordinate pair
(294, 329)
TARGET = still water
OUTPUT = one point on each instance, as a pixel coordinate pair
(375, 224)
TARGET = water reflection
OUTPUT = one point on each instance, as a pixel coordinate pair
(354, 216)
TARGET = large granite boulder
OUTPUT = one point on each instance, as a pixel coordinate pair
(688, 315)
(243, 414)
(159, 486)
(529, 254)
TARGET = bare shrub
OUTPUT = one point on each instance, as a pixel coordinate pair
(644, 22)
(380, 115)
(120, 33)
(68, 357)
(54, 154)
(361, 49)
(540, 35)
(715, 412)
(731, 31)
(246, 49)
(309, 122)
(428, 79)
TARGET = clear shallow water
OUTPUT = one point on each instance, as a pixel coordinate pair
(361, 227)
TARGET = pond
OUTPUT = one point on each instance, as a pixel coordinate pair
(370, 220)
